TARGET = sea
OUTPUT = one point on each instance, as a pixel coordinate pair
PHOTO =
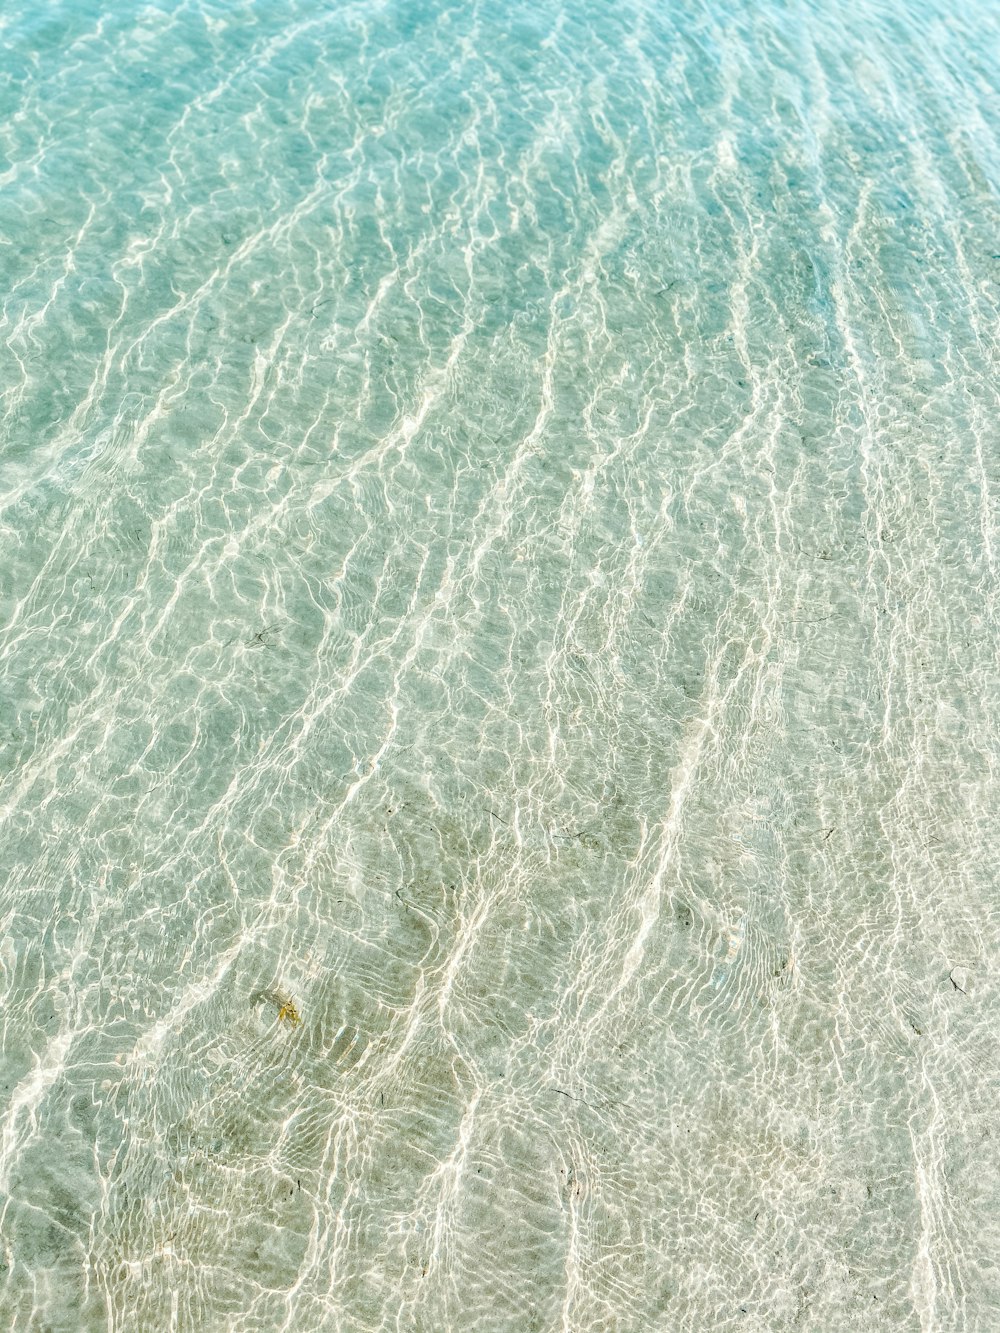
(499, 666)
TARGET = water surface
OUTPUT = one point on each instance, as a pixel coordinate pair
(499, 666)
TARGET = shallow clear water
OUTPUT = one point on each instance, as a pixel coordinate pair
(499, 529)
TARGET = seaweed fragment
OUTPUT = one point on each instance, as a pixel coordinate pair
(287, 1009)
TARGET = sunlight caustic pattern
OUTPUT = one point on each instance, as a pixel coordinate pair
(499, 666)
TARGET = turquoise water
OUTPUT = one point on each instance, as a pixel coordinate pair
(499, 718)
